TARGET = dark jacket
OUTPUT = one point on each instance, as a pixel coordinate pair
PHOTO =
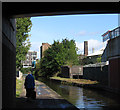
(29, 81)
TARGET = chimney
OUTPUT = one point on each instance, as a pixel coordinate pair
(85, 48)
(93, 50)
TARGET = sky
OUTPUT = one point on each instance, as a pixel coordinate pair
(85, 27)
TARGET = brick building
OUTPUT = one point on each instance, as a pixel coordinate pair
(44, 47)
(30, 57)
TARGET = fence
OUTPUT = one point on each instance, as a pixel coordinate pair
(98, 72)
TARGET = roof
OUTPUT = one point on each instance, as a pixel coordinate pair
(99, 52)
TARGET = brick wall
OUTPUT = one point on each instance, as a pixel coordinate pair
(114, 71)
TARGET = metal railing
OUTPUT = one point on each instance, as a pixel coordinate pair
(111, 34)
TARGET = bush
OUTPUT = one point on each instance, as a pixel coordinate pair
(98, 60)
(26, 70)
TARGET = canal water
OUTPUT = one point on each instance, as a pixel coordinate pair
(86, 99)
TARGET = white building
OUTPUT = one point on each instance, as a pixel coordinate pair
(99, 52)
(30, 57)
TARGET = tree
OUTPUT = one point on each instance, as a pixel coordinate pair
(70, 51)
(26, 70)
(23, 27)
(58, 54)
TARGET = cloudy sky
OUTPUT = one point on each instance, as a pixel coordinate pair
(86, 27)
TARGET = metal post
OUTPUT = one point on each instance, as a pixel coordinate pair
(114, 34)
(109, 35)
(119, 31)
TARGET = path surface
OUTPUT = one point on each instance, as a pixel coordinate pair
(46, 98)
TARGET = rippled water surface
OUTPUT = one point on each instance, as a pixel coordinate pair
(85, 98)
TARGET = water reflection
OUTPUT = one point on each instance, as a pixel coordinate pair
(85, 98)
(80, 97)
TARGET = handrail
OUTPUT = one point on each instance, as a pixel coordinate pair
(111, 34)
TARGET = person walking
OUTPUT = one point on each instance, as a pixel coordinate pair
(29, 86)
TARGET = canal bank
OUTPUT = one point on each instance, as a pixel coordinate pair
(46, 99)
(84, 83)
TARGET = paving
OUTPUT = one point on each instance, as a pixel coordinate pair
(46, 98)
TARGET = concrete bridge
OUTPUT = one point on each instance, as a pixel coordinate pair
(11, 10)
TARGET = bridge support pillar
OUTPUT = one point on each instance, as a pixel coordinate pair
(8, 62)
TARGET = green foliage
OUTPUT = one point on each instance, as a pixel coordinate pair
(19, 84)
(23, 27)
(37, 69)
(80, 59)
(26, 70)
(98, 59)
(58, 54)
(90, 60)
(70, 52)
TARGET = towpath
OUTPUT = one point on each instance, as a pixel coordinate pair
(46, 99)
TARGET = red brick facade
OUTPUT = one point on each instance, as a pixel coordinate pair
(44, 47)
(85, 48)
(114, 73)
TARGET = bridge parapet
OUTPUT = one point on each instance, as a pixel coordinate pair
(112, 49)
(111, 34)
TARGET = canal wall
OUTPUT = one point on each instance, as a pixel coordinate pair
(98, 72)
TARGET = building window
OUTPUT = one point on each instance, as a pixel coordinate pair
(34, 53)
(34, 58)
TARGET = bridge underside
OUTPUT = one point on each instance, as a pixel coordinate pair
(25, 9)
(11, 10)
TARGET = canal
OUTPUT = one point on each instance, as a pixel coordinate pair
(85, 98)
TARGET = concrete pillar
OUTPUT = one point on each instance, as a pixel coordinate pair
(70, 73)
(8, 62)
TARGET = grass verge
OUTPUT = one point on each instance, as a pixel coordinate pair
(19, 87)
(77, 81)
